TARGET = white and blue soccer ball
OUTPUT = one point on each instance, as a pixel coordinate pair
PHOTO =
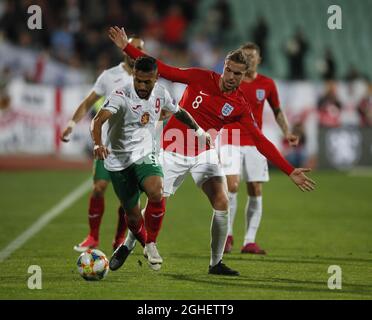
(93, 265)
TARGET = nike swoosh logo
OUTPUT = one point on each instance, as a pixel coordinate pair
(204, 94)
(118, 80)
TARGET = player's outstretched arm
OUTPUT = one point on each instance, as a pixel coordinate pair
(79, 114)
(100, 151)
(186, 118)
(188, 75)
(265, 147)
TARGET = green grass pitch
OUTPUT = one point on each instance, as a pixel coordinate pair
(303, 234)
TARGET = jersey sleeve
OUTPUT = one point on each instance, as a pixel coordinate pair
(169, 103)
(182, 75)
(99, 86)
(273, 97)
(263, 145)
(114, 102)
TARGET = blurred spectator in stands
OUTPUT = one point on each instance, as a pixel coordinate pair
(114, 13)
(4, 95)
(8, 21)
(296, 50)
(174, 26)
(73, 16)
(94, 13)
(260, 35)
(217, 23)
(201, 51)
(223, 21)
(352, 74)
(133, 16)
(62, 42)
(103, 63)
(25, 39)
(327, 66)
(153, 27)
(329, 106)
(93, 45)
(296, 156)
(365, 108)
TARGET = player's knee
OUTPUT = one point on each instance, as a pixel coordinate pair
(99, 188)
(233, 184)
(221, 202)
(255, 189)
(132, 220)
(155, 195)
(234, 187)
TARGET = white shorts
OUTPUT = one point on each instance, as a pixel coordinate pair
(176, 167)
(245, 161)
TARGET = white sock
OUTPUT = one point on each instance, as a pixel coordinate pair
(233, 202)
(253, 211)
(219, 234)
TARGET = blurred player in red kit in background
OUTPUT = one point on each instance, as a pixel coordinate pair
(240, 157)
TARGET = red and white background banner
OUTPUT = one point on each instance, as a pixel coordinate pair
(36, 117)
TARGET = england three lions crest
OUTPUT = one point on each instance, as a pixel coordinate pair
(260, 94)
(227, 110)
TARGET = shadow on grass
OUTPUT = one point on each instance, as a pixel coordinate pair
(273, 284)
(276, 259)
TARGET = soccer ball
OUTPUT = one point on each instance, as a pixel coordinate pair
(93, 265)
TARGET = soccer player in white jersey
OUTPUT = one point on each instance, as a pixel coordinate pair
(108, 81)
(128, 153)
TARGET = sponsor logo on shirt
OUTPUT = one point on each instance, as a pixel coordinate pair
(227, 109)
(204, 94)
(145, 118)
(136, 107)
(260, 94)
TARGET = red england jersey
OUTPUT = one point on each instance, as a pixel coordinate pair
(256, 93)
(212, 109)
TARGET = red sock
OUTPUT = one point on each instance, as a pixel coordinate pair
(121, 227)
(96, 209)
(138, 230)
(154, 215)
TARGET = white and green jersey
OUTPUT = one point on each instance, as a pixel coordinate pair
(131, 129)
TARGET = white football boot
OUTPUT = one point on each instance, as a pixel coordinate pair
(152, 255)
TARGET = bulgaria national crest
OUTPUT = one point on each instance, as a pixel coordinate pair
(260, 94)
(227, 109)
(145, 118)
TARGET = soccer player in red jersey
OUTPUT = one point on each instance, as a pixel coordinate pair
(240, 157)
(213, 100)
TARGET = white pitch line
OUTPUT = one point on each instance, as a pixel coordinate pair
(45, 219)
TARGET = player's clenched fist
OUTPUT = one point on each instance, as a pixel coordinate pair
(100, 152)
